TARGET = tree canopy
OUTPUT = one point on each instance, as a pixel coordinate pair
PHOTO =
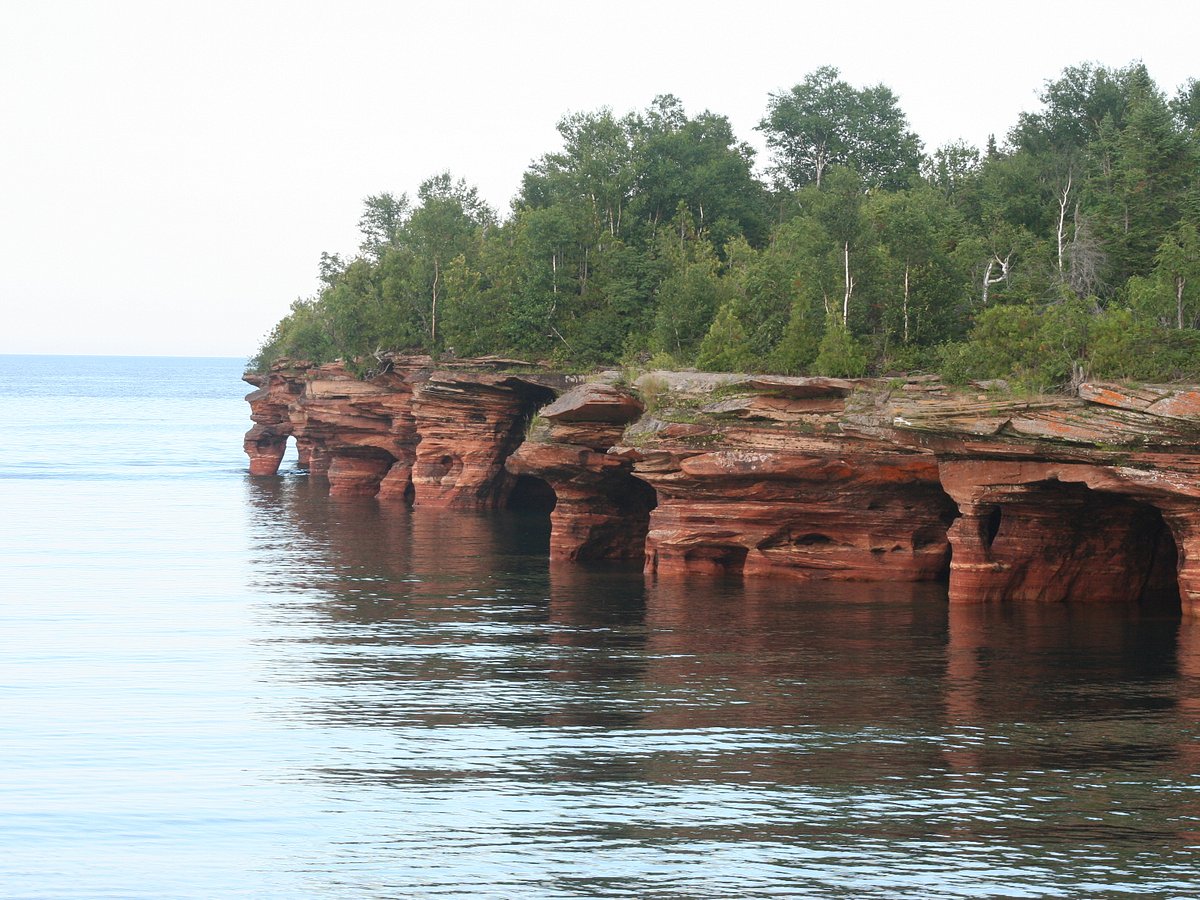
(1069, 249)
(824, 122)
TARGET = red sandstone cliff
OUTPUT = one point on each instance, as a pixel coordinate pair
(769, 480)
(1042, 500)
(1095, 496)
(437, 436)
(602, 510)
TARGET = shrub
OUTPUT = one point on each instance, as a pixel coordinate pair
(726, 348)
(839, 354)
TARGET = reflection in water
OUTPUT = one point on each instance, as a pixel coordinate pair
(483, 722)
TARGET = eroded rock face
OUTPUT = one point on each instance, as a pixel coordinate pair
(772, 483)
(270, 408)
(410, 432)
(1091, 498)
(1042, 532)
(1095, 498)
(356, 431)
(601, 510)
(469, 424)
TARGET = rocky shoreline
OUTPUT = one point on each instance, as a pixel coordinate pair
(899, 480)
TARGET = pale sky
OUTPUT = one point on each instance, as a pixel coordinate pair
(170, 172)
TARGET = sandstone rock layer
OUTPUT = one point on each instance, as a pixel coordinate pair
(601, 511)
(436, 436)
(1092, 498)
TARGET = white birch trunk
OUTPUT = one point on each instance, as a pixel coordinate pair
(1062, 219)
(849, 287)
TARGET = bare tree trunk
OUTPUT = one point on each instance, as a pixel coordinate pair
(1062, 218)
(820, 164)
(906, 302)
(849, 286)
(1180, 283)
(437, 272)
(988, 280)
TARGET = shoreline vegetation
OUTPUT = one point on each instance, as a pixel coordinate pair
(1067, 251)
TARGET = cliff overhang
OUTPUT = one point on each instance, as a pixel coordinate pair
(1029, 499)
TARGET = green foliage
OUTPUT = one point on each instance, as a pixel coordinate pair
(824, 121)
(1124, 346)
(725, 347)
(1177, 275)
(469, 326)
(689, 293)
(911, 358)
(302, 334)
(697, 166)
(800, 343)
(1039, 348)
(654, 392)
(1070, 250)
(839, 354)
(382, 223)
(1044, 349)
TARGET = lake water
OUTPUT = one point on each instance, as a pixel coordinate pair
(216, 686)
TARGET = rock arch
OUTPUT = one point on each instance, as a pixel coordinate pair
(532, 493)
(358, 471)
(1053, 532)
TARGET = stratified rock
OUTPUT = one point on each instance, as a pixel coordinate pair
(797, 506)
(591, 415)
(1157, 400)
(594, 403)
(1036, 531)
(468, 425)
(355, 430)
(768, 482)
(270, 411)
(1095, 497)
(601, 511)
(364, 434)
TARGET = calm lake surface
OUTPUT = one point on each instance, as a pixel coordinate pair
(216, 686)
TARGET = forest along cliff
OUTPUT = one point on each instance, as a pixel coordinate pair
(1035, 499)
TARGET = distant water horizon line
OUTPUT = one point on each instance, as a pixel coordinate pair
(127, 355)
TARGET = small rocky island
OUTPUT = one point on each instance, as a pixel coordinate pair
(1043, 499)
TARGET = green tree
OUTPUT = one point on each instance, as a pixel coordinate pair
(1170, 295)
(699, 163)
(302, 334)
(595, 169)
(953, 169)
(925, 282)
(824, 122)
(1076, 106)
(449, 222)
(1136, 185)
(382, 223)
(1186, 105)
(725, 347)
(471, 320)
(690, 293)
(839, 354)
